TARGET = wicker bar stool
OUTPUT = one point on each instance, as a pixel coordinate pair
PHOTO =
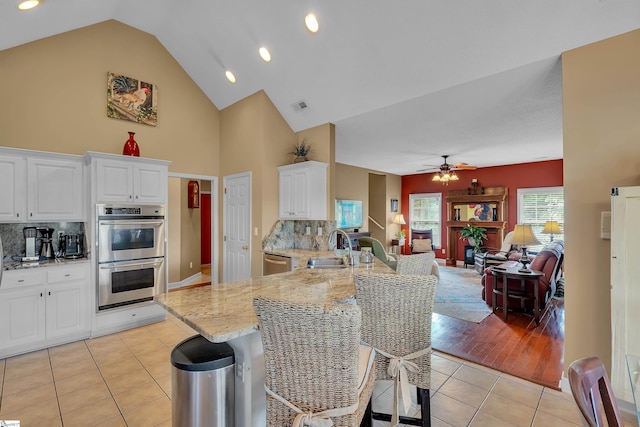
(396, 322)
(315, 367)
(423, 264)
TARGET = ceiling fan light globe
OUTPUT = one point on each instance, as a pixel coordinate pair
(436, 177)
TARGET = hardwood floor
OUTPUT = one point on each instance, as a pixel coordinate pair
(517, 347)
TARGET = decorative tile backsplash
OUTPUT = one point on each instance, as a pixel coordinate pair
(13, 241)
(292, 234)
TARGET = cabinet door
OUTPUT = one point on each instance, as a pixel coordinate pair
(114, 181)
(294, 197)
(22, 317)
(303, 191)
(66, 309)
(13, 191)
(55, 190)
(150, 183)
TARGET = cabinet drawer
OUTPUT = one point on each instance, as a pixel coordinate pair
(66, 274)
(19, 279)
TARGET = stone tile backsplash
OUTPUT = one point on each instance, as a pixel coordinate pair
(13, 237)
(292, 234)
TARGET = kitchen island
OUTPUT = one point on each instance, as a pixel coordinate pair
(224, 313)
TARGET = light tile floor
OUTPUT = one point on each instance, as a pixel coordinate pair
(124, 379)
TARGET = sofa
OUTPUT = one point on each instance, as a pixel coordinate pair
(549, 260)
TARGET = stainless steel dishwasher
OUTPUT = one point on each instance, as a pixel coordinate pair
(273, 264)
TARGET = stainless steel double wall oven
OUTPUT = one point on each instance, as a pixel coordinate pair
(130, 254)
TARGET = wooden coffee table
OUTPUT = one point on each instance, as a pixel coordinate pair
(507, 271)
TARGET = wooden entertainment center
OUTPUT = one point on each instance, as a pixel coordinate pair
(482, 207)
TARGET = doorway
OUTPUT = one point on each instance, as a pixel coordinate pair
(184, 258)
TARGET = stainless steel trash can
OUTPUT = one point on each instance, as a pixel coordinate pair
(202, 384)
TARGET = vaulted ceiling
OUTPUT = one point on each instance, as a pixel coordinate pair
(404, 81)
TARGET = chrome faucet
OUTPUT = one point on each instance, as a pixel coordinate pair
(335, 231)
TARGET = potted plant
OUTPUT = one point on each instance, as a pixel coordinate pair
(301, 150)
(475, 235)
(400, 235)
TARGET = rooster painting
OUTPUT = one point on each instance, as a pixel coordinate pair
(131, 99)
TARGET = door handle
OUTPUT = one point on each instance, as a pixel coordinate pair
(244, 248)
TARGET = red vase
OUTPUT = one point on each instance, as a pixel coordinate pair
(131, 146)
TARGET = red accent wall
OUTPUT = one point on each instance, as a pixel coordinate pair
(523, 175)
(205, 229)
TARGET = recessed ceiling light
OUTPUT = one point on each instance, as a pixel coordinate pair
(28, 4)
(264, 54)
(311, 22)
(230, 76)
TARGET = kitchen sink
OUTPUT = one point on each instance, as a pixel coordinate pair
(331, 262)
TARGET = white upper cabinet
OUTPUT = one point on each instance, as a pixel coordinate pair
(38, 186)
(303, 191)
(13, 195)
(129, 179)
(55, 189)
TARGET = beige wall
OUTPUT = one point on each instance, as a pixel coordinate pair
(185, 227)
(174, 230)
(394, 191)
(352, 182)
(56, 100)
(601, 101)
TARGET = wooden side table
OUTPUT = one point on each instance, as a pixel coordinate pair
(513, 273)
(397, 246)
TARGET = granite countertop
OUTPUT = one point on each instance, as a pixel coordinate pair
(9, 264)
(224, 311)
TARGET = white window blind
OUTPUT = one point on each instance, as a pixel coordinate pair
(536, 206)
(425, 212)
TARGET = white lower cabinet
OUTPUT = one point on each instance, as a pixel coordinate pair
(43, 307)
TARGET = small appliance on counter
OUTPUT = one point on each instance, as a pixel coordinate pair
(71, 245)
(46, 250)
(30, 235)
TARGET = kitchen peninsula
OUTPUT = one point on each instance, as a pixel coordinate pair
(224, 313)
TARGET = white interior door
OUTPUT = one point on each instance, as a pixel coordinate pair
(625, 286)
(237, 227)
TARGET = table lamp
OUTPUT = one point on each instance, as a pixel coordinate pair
(523, 236)
(399, 219)
(551, 227)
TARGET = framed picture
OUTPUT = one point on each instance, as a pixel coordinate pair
(394, 205)
(131, 99)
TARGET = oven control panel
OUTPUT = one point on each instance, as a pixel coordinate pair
(130, 211)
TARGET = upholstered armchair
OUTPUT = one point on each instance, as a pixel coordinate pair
(494, 256)
(422, 241)
(549, 261)
(378, 251)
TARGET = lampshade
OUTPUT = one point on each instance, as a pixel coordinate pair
(399, 219)
(551, 227)
(523, 236)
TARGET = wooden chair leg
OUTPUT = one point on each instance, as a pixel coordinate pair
(367, 418)
(425, 407)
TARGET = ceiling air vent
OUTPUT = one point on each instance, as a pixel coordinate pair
(300, 106)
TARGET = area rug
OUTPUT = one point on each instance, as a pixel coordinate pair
(459, 295)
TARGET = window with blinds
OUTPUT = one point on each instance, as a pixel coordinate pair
(425, 212)
(536, 206)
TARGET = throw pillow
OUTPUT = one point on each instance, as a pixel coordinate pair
(422, 245)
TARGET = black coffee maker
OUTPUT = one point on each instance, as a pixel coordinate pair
(46, 236)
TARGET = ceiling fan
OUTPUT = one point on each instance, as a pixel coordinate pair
(447, 172)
